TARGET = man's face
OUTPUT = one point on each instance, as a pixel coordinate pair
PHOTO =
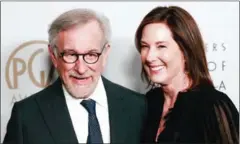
(80, 78)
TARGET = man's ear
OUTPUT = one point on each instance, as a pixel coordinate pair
(106, 53)
(52, 55)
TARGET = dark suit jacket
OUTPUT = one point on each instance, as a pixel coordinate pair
(43, 118)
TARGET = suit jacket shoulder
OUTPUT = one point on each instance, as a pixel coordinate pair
(127, 112)
(123, 91)
(53, 89)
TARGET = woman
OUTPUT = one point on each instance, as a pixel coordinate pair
(183, 105)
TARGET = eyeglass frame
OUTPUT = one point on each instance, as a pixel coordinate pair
(61, 55)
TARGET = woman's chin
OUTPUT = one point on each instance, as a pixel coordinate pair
(158, 80)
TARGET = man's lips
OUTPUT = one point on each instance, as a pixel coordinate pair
(80, 80)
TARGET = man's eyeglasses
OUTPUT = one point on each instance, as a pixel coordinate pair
(71, 56)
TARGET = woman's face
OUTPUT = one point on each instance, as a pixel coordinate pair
(161, 56)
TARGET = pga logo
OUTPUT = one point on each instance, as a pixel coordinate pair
(30, 58)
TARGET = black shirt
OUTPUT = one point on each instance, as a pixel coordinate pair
(202, 115)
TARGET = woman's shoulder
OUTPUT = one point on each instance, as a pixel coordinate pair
(221, 117)
(214, 99)
(213, 95)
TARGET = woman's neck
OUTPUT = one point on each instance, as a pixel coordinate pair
(178, 84)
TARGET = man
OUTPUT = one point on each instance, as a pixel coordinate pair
(81, 105)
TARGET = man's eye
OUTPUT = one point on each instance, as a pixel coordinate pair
(73, 54)
(92, 55)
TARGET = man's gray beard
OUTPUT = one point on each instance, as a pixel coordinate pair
(71, 92)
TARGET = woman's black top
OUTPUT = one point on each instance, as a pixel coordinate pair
(202, 115)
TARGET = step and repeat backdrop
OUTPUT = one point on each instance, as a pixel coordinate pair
(25, 63)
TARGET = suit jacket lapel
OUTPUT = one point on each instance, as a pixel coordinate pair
(118, 122)
(56, 115)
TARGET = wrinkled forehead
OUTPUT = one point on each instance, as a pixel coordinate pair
(81, 38)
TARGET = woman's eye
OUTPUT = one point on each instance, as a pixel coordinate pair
(161, 46)
(144, 46)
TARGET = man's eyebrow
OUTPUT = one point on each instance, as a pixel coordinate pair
(93, 50)
(89, 51)
(69, 50)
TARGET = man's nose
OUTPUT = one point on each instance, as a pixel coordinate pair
(81, 65)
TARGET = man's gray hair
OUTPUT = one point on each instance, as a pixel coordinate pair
(77, 17)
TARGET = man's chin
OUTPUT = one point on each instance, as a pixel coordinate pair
(81, 92)
(80, 96)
